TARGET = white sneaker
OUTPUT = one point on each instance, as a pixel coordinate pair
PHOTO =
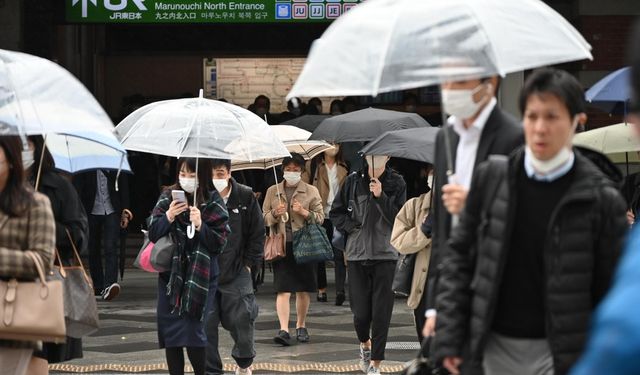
(243, 371)
(373, 371)
(365, 359)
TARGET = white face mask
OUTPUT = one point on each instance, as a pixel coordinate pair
(220, 184)
(27, 159)
(292, 178)
(188, 184)
(548, 166)
(460, 103)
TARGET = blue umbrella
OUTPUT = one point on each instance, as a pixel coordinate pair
(83, 151)
(612, 91)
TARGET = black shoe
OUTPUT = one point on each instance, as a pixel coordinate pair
(282, 338)
(340, 298)
(322, 297)
(111, 292)
(302, 335)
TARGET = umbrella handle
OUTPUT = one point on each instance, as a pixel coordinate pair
(191, 231)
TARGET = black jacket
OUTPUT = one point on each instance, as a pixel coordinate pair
(245, 243)
(501, 135)
(366, 220)
(68, 212)
(583, 241)
(86, 185)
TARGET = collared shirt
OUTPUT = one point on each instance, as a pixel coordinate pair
(226, 196)
(550, 177)
(468, 145)
(334, 187)
(102, 204)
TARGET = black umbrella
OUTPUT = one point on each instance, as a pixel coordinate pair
(415, 144)
(306, 122)
(365, 125)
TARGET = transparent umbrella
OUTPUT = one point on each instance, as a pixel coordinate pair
(199, 128)
(388, 45)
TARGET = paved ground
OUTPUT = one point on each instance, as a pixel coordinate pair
(127, 341)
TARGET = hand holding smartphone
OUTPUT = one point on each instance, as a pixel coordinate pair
(179, 196)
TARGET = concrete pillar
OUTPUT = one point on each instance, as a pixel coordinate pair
(510, 91)
(11, 24)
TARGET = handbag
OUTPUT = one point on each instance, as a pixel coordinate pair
(32, 310)
(274, 248)
(404, 275)
(339, 240)
(423, 364)
(311, 244)
(80, 307)
(156, 256)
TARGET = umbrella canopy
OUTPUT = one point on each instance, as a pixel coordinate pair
(307, 122)
(199, 127)
(88, 151)
(389, 45)
(612, 92)
(38, 96)
(365, 125)
(415, 144)
(609, 140)
(295, 139)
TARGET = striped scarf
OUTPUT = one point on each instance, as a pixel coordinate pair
(188, 284)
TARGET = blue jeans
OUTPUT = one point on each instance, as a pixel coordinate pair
(104, 232)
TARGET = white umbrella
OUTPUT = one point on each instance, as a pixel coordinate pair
(613, 139)
(388, 45)
(199, 128)
(38, 96)
(295, 139)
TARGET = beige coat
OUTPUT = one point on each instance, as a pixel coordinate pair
(306, 194)
(407, 238)
(321, 178)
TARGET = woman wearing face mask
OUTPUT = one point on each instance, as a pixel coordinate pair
(185, 293)
(546, 226)
(296, 204)
(26, 224)
(365, 209)
(70, 216)
(327, 173)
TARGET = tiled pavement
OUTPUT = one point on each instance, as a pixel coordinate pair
(127, 341)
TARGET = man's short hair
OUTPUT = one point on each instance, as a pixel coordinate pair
(295, 158)
(558, 83)
(217, 163)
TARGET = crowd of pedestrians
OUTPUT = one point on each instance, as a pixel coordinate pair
(517, 236)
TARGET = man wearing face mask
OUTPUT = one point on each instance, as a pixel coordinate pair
(235, 304)
(262, 108)
(476, 129)
(108, 211)
(547, 225)
(365, 209)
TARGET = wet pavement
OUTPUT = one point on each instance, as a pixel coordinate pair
(127, 340)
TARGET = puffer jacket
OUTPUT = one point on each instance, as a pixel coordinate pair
(366, 220)
(583, 242)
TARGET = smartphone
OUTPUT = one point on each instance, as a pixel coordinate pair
(179, 196)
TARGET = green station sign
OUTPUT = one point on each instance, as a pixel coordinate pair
(205, 11)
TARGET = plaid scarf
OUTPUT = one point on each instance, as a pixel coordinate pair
(188, 284)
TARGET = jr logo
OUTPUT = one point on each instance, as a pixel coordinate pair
(112, 5)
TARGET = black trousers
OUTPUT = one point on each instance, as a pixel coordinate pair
(372, 302)
(418, 313)
(338, 258)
